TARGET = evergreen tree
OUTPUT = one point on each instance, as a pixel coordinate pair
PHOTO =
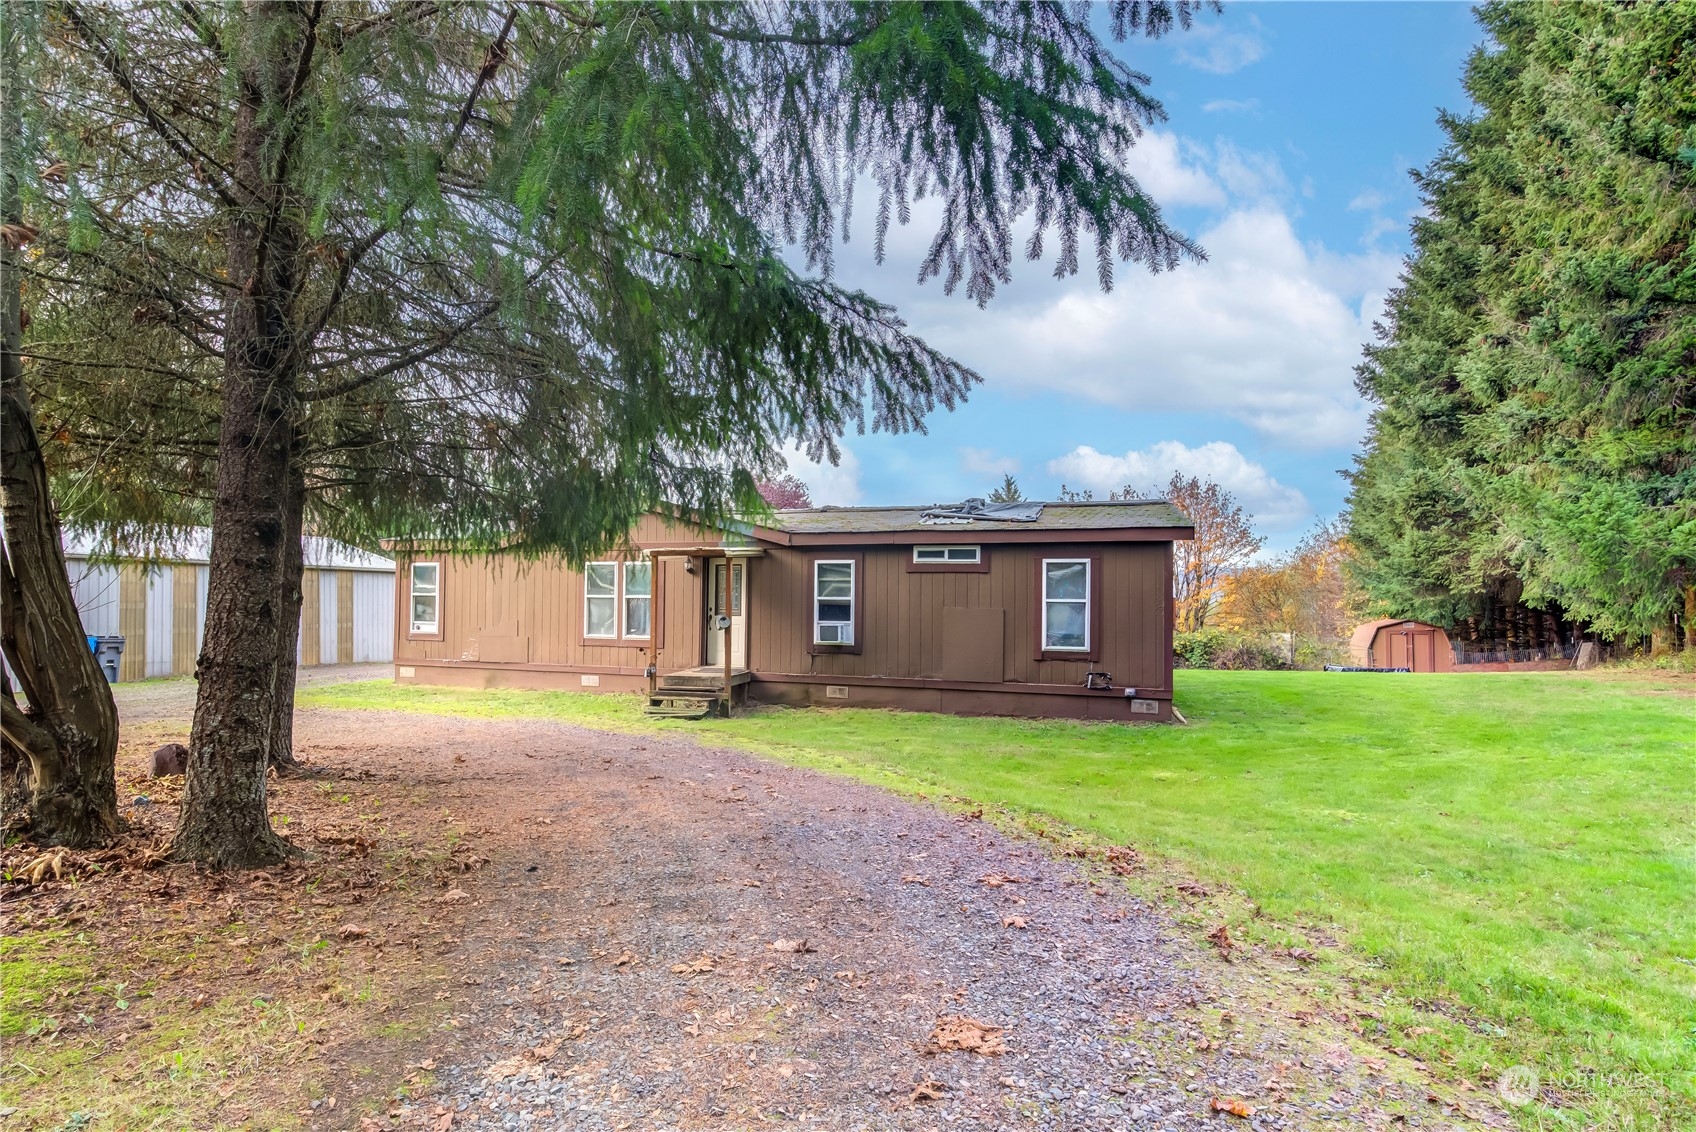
(511, 274)
(1535, 433)
(1008, 492)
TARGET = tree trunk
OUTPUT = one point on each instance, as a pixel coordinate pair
(224, 820)
(288, 638)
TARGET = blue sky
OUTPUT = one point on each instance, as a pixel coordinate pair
(1291, 128)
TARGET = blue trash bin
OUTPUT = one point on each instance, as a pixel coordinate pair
(107, 650)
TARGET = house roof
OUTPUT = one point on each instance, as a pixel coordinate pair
(1116, 515)
(194, 546)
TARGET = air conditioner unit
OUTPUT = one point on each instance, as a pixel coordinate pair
(836, 633)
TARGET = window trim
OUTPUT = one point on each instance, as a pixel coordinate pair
(613, 597)
(1092, 610)
(413, 633)
(656, 605)
(857, 620)
(624, 599)
(979, 566)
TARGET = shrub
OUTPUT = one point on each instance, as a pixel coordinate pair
(1216, 648)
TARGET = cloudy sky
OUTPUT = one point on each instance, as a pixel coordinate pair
(1291, 130)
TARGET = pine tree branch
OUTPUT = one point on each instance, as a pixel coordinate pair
(197, 159)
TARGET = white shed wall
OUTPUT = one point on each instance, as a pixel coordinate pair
(95, 589)
(327, 616)
(161, 621)
(373, 617)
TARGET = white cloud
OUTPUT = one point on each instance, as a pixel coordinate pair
(1230, 105)
(1158, 163)
(1267, 331)
(1247, 174)
(985, 462)
(1368, 200)
(1219, 50)
(1273, 505)
(829, 484)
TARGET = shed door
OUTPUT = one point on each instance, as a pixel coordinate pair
(1395, 642)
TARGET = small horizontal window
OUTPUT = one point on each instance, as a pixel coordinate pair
(964, 555)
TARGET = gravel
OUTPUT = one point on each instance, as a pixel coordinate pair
(638, 855)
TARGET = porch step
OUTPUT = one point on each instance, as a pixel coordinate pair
(697, 710)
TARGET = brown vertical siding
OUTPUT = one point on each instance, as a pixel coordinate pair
(185, 618)
(902, 615)
(535, 608)
(311, 633)
(132, 621)
(505, 616)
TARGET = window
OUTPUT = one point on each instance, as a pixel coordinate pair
(969, 555)
(638, 599)
(426, 597)
(1065, 604)
(833, 602)
(600, 599)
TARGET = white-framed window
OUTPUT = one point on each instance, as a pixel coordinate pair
(1065, 604)
(426, 597)
(600, 599)
(833, 602)
(958, 555)
(639, 599)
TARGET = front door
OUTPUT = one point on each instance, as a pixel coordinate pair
(726, 593)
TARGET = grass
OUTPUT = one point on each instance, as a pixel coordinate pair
(1510, 856)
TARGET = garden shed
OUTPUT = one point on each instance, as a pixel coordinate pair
(1394, 642)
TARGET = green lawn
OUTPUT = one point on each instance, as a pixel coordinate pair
(1513, 852)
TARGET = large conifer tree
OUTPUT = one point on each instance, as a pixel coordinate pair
(1535, 436)
(511, 273)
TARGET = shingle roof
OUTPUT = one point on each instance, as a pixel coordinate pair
(1115, 515)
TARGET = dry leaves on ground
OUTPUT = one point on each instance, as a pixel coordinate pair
(703, 965)
(996, 880)
(1220, 937)
(1233, 1106)
(518, 1063)
(958, 1032)
(1013, 922)
(794, 946)
(927, 1090)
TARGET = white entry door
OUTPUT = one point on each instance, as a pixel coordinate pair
(726, 594)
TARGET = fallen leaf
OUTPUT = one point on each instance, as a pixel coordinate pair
(1233, 1106)
(996, 880)
(564, 962)
(1013, 922)
(1190, 888)
(914, 878)
(453, 896)
(1221, 938)
(443, 1123)
(958, 1032)
(1376, 1064)
(927, 1091)
(797, 946)
(702, 966)
(353, 931)
(625, 959)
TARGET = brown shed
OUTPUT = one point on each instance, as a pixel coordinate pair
(1043, 609)
(1393, 642)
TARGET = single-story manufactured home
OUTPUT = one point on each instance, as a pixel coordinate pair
(1033, 609)
(157, 602)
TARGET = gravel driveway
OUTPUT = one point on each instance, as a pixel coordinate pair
(625, 976)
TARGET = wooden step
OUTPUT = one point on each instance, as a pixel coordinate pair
(687, 694)
(692, 711)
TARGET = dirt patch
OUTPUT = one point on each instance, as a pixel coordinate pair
(518, 925)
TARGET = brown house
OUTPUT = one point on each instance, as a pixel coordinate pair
(1035, 609)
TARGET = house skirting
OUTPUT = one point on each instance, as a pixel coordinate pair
(949, 697)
